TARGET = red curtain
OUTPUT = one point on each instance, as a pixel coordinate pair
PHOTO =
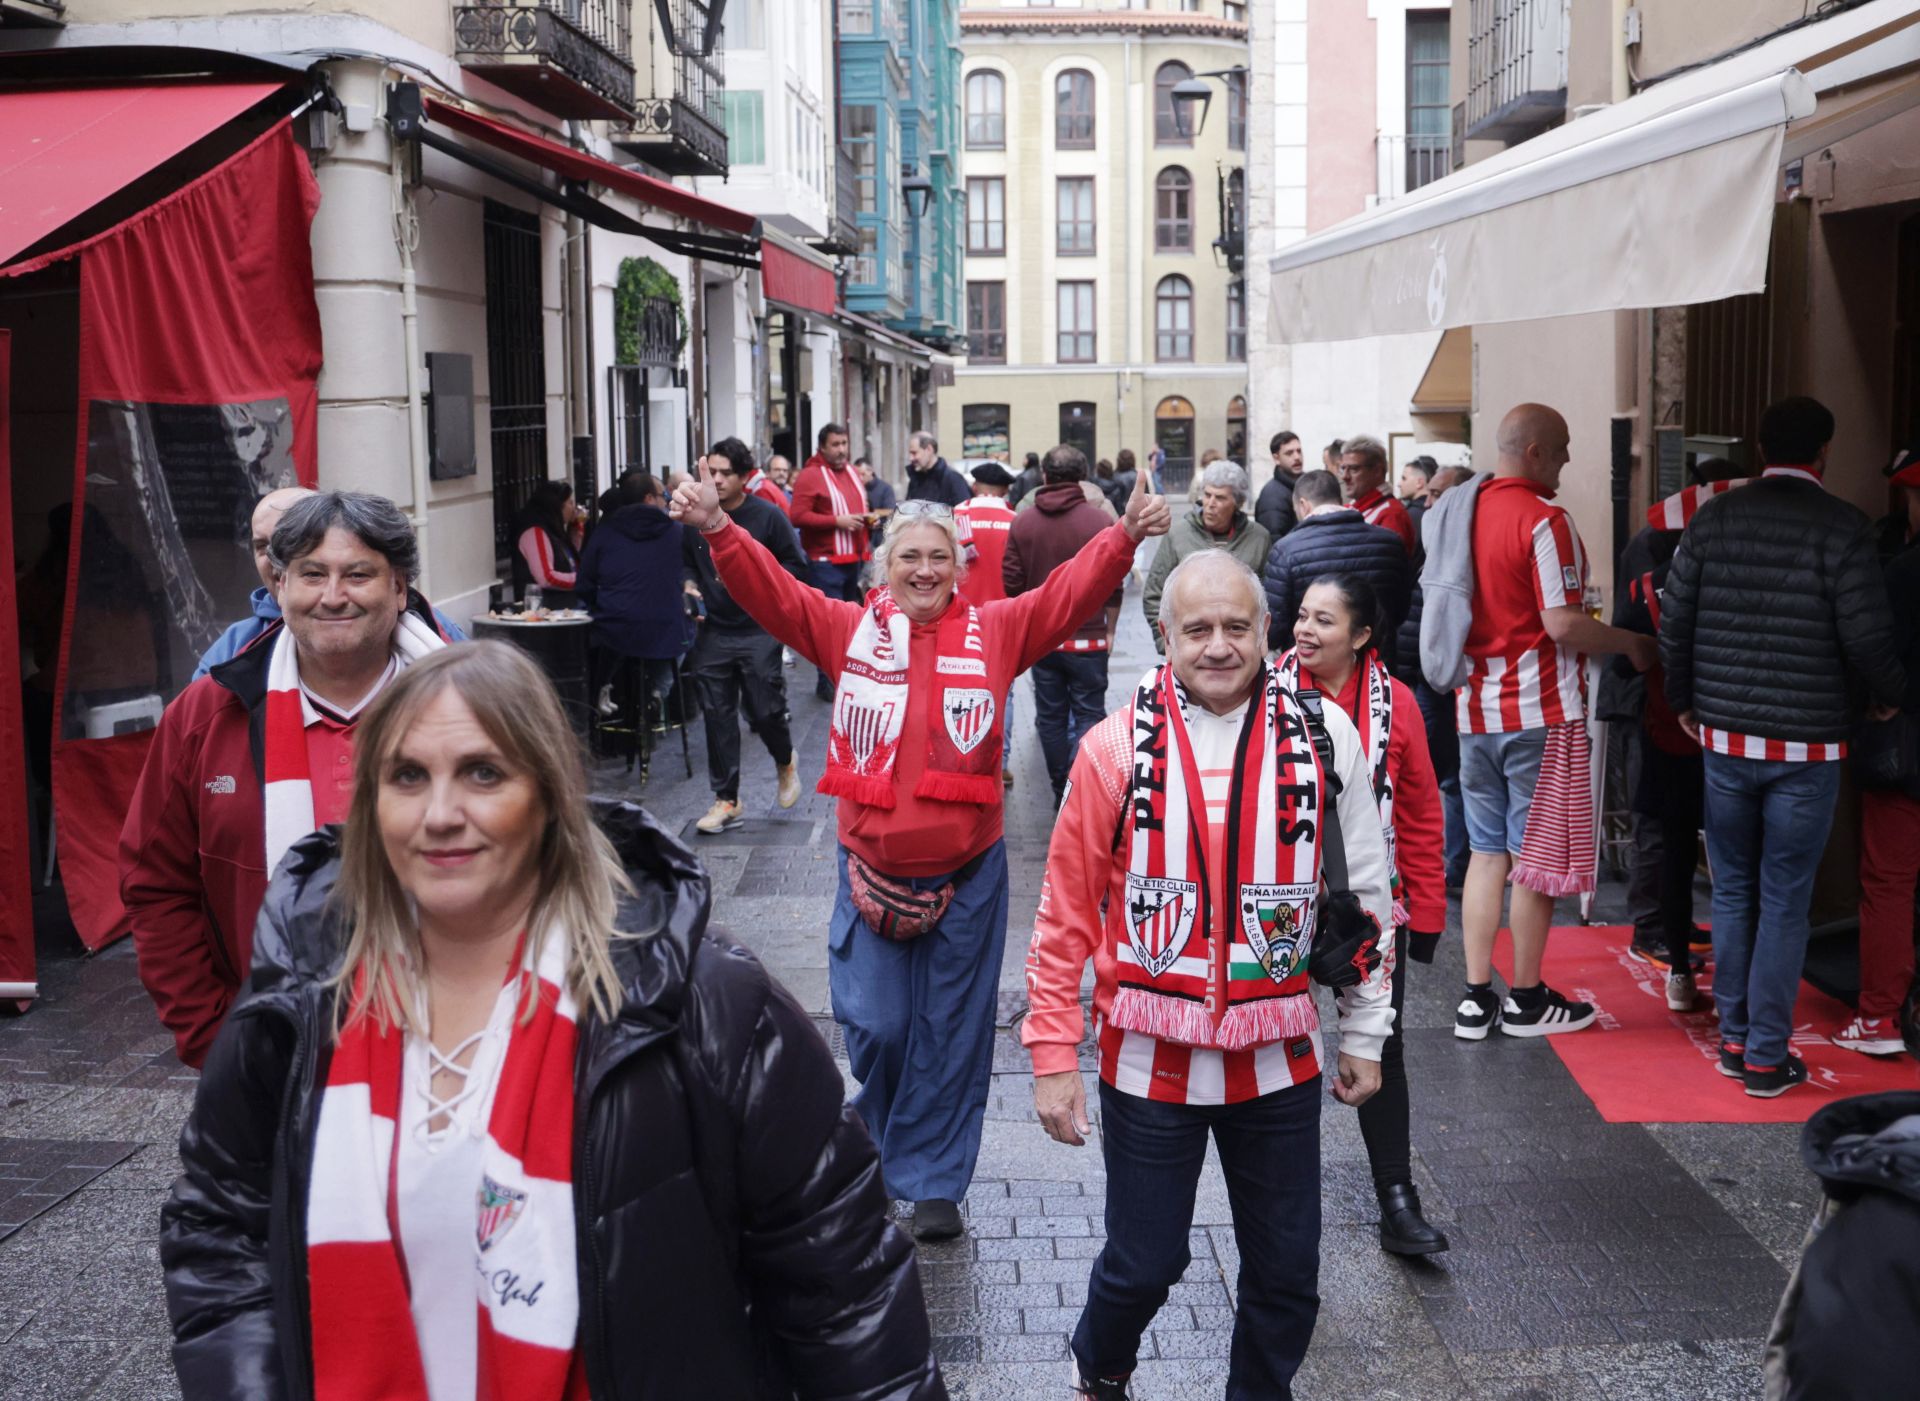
(199, 363)
(16, 892)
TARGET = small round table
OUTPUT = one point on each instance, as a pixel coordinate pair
(559, 645)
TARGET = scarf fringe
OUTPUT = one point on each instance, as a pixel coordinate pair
(1549, 882)
(1250, 1024)
(838, 782)
(1162, 1017)
(942, 786)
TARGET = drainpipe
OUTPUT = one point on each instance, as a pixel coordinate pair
(1133, 299)
(406, 237)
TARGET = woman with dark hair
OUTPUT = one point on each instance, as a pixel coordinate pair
(547, 535)
(502, 1115)
(1333, 650)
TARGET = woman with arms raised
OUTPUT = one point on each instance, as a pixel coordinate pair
(463, 1137)
(914, 756)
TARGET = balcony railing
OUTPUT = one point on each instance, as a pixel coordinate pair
(1516, 67)
(1405, 163)
(680, 119)
(573, 58)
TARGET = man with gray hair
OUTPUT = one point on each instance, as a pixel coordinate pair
(1186, 863)
(259, 752)
(1363, 477)
(1218, 521)
(928, 476)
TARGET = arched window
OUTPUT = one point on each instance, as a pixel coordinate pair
(1237, 429)
(1173, 211)
(1173, 319)
(1170, 125)
(1073, 110)
(986, 111)
(1173, 435)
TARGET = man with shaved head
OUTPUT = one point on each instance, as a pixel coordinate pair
(266, 609)
(1186, 863)
(1524, 753)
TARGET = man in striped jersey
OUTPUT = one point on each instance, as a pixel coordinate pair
(1198, 814)
(1773, 618)
(1524, 760)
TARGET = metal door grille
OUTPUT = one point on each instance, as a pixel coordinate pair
(516, 365)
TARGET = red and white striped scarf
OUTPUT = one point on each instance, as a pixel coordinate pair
(1677, 511)
(289, 784)
(1558, 855)
(870, 710)
(1374, 721)
(526, 1284)
(1168, 960)
(849, 498)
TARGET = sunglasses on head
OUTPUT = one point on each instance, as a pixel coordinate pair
(908, 509)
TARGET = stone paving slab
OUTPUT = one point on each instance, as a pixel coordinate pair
(37, 1174)
(1589, 1259)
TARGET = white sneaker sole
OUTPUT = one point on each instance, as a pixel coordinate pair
(1681, 1004)
(1872, 1048)
(727, 826)
(1473, 1033)
(1513, 1028)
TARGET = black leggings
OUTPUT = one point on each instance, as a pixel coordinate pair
(1386, 1119)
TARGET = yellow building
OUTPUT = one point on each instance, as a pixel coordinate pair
(1105, 296)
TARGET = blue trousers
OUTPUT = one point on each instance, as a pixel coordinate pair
(918, 1017)
(1767, 825)
(1270, 1152)
(1069, 698)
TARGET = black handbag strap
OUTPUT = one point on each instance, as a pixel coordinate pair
(1333, 846)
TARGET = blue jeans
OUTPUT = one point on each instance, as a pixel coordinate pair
(919, 1019)
(1497, 778)
(1767, 825)
(1270, 1152)
(1069, 698)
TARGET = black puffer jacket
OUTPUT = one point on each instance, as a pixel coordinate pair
(1774, 602)
(1337, 542)
(1845, 1330)
(733, 1237)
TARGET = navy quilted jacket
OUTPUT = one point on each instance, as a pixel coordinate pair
(1337, 542)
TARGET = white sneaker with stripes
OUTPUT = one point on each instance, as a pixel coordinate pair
(1553, 1015)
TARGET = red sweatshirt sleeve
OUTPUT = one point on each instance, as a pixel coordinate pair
(812, 507)
(162, 887)
(537, 551)
(1067, 930)
(815, 626)
(1419, 829)
(1045, 617)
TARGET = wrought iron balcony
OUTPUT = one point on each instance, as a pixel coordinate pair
(1405, 163)
(574, 58)
(679, 122)
(1516, 67)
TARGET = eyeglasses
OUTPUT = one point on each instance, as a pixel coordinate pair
(908, 509)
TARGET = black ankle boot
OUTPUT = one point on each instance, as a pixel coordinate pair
(1403, 1230)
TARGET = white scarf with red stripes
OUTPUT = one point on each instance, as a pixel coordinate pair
(526, 1284)
(1172, 985)
(848, 498)
(289, 784)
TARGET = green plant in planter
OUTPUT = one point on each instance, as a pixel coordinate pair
(641, 280)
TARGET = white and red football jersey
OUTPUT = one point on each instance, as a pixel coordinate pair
(986, 521)
(1527, 557)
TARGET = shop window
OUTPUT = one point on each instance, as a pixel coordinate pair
(1237, 429)
(1173, 435)
(1077, 430)
(985, 431)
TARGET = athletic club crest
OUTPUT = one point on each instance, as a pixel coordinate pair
(499, 1207)
(1159, 919)
(969, 715)
(866, 727)
(1278, 923)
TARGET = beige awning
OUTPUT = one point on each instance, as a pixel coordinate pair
(1447, 386)
(1666, 199)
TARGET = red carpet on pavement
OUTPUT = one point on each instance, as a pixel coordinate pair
(1641, 1064)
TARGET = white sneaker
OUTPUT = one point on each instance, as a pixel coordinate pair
(1873, 1036)
(723, 816)
(1681, 992)
(790, 781)
(605, 704)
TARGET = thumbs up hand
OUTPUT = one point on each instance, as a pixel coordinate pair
(1147, 514)
(696, 503)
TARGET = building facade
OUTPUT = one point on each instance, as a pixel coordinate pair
(1350, 110)
(1105, 232)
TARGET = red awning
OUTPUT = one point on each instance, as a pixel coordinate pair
(63, 150)
(578, 165)
(796, 278)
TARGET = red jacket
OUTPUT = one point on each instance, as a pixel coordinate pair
(1377, 508)
(813, 512)
(193, 851)
(768, 490)
(1419, 834)
(919, 836)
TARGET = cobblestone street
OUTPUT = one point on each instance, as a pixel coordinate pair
(1588, 1259)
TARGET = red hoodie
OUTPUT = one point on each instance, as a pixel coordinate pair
(919, 836)
(813, 512)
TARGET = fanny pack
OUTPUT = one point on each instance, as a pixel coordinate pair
(893, 909)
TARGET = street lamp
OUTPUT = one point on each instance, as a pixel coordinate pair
(918, 190)
(1193, 92)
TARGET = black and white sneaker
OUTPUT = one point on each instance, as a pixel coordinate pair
(1552, 1015)
(1475, 1015)
(1099, 1388)
(1775, 1081)
(1733, 1060)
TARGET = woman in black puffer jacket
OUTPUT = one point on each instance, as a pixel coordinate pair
(722, 1210)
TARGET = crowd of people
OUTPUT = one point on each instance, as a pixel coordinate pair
(473, 1053)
